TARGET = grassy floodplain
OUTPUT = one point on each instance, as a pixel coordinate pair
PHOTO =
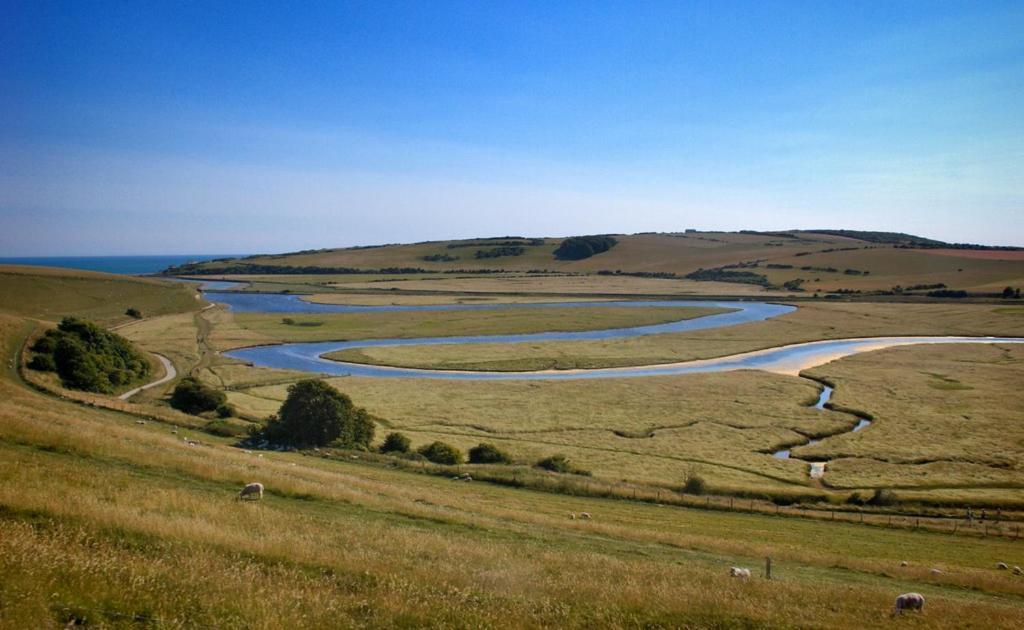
(112, 522)
(333, 326)
(108, 521)
(813, 320)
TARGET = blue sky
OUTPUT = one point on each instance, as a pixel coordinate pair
(196, 127)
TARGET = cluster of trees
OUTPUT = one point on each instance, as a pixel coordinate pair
(722, 274)
(497, 252)
(195, 397)
(580, 247)
(88, 358)
(1011, 293)
(497, 242)
(440, 258)
(483, 453)
(316, 414)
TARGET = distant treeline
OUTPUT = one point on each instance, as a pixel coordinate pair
(497, 252)
(639, 274)
(580, 247)
(533, 242)
(721, 274)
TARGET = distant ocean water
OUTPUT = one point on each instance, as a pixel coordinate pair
(129, 265)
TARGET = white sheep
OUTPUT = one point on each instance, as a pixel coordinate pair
(908, 601)
(1002, 566)
(739, 572)
(585, 516)
(904, 563)
(1018, 571)
(251, 491)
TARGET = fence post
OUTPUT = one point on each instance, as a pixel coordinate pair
(768, 568)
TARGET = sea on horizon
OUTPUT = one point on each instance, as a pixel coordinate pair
(128, 265)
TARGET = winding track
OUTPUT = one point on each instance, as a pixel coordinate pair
(169, 374)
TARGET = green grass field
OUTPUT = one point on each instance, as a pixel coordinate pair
(827, 257)
(112, 523)
(347, 326)
(109, 522)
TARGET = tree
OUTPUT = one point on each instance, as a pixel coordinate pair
(133, 312)
(441, 453)
(395, 443)
(1007, 293)
(316, 414)
(485, 453)
(560, 464)
(694, 484)
(194, 397)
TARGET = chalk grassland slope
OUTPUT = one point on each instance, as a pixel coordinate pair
(332, 326)
(810, 322)
(829, 256)
(943, 416)
(50, 294)
(656, 430)
(109, 522)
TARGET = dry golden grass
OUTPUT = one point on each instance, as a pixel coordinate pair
(50, 294)
(333, 326)
(108, 521)
(945, 416)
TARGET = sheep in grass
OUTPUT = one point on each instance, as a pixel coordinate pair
(904, 564)
(739, 572)
(585, 516)
(908, 601)
(1002, 566)
(1018, 571)
(251, 491)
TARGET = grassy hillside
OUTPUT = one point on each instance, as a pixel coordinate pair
(820, 262)
(108, 522)
(50, 294)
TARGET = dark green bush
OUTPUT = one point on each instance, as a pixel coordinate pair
(88, 357)
(580, 247)
(225, 410)
(194, 397)
(560, 464)
(316, 414)
(695, 484)
(485, 453)
(133, 312)
(395, 443)
(441, 453)
(43, 363)
(882, 497)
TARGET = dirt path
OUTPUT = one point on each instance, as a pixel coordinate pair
(170, 373)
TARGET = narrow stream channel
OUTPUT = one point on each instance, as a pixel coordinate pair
(817, 469)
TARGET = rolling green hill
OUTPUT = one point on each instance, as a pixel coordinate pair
(793, 262)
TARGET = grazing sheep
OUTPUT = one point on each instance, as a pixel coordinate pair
(572, 516)
(1002, 566)
(739, 572)
(904, 563)
(251, 491)
(936, 571)
(1018, 571)
(585, 516)
(140, 422)
(908, 601)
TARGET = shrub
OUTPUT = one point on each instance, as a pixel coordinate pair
(395, 443)
(484, 453)
(225, 410)
(194, 397)
(560, 464)
(441, 453)
(882, 496)
(856, 498)
(695, 484)
(580, 247)
(43, 363)
(90, 358)
(133, 312)
(316, 414)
